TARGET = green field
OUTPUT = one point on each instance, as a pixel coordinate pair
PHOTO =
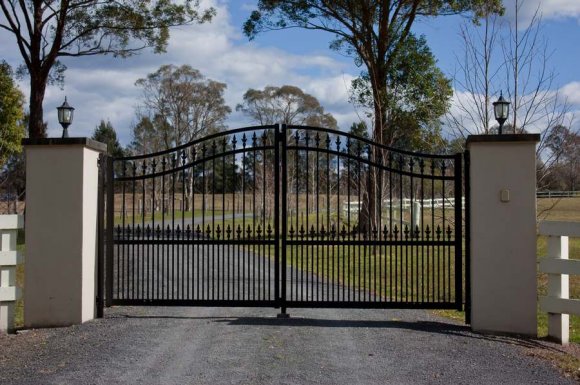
(177, 215)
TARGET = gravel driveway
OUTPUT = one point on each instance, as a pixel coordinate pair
(251, 346)
(188, 345)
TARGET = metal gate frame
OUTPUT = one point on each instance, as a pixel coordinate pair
(282, 241)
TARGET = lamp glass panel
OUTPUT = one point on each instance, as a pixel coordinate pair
(68, 115)
(65, 115)
(506, 110)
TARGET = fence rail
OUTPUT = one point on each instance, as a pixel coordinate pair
(558, 194)
(558, 267)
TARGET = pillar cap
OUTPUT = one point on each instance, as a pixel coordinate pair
(507, 138)
(87, 142)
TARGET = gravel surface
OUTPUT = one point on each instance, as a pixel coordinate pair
(137, 345)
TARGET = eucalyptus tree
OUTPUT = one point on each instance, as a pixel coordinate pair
(286, 104)
(416, 96)
(184, 104)
(47, 30)
(178, 105)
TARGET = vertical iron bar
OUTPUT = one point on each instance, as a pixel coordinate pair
(467, 182)
(231, 286)
(213, 233)
(283, 133)
(358, 266)
(284, 217)
(163, 248)
(349, 181)
(110, 224)
(391, 285)
(101, 236)
(378, 228)
(336, 231)
(121, 258)
(184, 269)
(203, 255)
(432, 248)
(328, 263)
(307, 180)
(254, 217)
(299, 230)
(367, 231)
(320, 277)
(155, 256)
(444, 289)
(223, 246)
(458, 255)
(143, 266)
(265, 253)
(133, 259)
(401, 229)
(242, 251)
(412, 211)
(194, 261)
(422, 171)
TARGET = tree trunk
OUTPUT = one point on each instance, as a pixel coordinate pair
(36, 127)
(370, 217)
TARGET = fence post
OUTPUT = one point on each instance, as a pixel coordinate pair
(558, 286)
(417, 215)
(9, 258)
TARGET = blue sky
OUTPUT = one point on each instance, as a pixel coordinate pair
(103, 87)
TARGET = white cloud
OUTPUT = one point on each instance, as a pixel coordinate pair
(571, 92)
(550, 9)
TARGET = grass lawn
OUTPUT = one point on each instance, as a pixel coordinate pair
(158, 217)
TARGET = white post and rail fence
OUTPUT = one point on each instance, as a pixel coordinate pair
(559, 267)
(9, 259)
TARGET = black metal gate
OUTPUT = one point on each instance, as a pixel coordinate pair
(285, 216)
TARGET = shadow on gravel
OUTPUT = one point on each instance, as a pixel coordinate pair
(432, 327)
(420, 326)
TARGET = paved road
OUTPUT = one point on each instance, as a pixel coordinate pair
(251, 346)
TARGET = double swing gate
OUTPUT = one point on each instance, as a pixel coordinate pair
(283, 216)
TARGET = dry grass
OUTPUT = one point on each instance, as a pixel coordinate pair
(559, 209)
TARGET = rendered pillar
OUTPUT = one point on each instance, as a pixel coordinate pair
(503, 233)
(61, 231)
